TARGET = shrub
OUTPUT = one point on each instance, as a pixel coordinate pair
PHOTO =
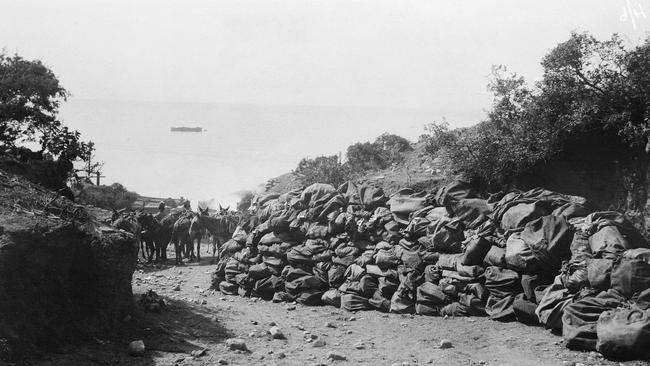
(323, 169)
(387, 149)
(115, 196)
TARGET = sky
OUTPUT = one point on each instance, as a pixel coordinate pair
(421, 57)
(328, 52)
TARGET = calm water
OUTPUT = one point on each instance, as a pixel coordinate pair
(243, 147)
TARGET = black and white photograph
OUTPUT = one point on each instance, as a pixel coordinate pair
(324, 182)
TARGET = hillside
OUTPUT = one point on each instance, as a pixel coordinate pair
(418, 170)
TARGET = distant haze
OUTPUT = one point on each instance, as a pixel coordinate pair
(274, 81)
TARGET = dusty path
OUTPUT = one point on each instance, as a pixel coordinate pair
(198, 318)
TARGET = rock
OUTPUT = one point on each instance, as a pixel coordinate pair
(281, 355)
(204, 302)
(127, 319)
(359, 345)
(272, 324)
(319, 343)
(177, 288)
(335, 356)
(352, 318)
(348, 332)
(136, 348)
(214, 319)
(276, 333)
(236, 344)
(290, 308)
(299, 326)
(198, 353)
(445, 343)
(253, 322)
(329, 325)
(222, 361)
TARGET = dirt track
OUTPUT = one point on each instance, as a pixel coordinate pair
(198, 318)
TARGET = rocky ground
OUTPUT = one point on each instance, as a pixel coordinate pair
(197, 324)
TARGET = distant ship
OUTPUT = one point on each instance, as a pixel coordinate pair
(187, 129)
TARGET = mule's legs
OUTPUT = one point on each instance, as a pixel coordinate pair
(198, 248)
(214, 248)
(189, 248)
(143, 249)
(179, 251)
(164, 242)
(150, 246)
(158, 245)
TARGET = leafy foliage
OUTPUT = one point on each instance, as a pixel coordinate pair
(387, 149)
(30, 96)
(115, 196)
(588, 87)
(361, 157)
(323, 169)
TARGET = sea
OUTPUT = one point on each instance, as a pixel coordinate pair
(241, 146)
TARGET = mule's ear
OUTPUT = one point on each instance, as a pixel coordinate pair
(220, 208)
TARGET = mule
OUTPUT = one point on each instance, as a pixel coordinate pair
(180, 235)
(221, 227)
(196, 233)
(152, 237)
(167, 229)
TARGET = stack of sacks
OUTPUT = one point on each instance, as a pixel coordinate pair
(532, 235)
(614, 272)
(538, 257)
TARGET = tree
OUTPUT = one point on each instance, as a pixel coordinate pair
(590, 89)
(323, 169)
(30, 96)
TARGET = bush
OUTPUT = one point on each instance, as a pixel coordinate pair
(115, 196)
(387, 149)
(323, 169)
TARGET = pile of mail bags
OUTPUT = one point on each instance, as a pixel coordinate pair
(538, 257)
